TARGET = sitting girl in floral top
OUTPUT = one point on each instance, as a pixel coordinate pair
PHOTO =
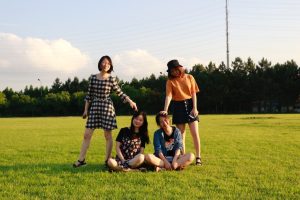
(130, 144)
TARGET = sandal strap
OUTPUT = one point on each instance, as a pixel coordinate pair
(81, 161)
(198, 161)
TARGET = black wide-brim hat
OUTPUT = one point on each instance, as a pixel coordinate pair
(173, 64)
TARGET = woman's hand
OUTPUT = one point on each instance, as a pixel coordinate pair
(175, 164)
(133, 106)
(194, 112)
(167, 165)
(163, 112)
(85, 114)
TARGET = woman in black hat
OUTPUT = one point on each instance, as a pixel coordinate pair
(181, 88)
(99, 108)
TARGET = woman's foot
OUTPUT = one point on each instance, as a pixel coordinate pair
(198, 161)
(79, 163)
(159, 169)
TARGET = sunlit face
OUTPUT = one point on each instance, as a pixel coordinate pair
(138, 121)
(105, 65)
(175, 72)
(164, 122)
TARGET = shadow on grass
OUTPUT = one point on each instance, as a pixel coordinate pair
(53, 168)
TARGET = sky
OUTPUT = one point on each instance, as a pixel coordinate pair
(44, 40)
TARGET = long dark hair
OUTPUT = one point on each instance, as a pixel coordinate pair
(109, 60)
(143, 130)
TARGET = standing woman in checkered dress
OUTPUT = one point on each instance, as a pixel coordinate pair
(99, 108)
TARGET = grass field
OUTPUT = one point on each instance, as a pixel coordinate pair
(245, 157)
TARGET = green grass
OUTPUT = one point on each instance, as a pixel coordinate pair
(245, 157)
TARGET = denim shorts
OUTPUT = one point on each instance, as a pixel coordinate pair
(169, 158)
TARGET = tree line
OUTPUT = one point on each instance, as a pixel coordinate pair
(245, 87)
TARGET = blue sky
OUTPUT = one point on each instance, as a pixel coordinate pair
(49, 39)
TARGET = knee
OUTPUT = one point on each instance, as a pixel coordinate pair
(87, 136)
(191, 157)
(149, 158)
(140, 158)
(110, 162)
(108, 136)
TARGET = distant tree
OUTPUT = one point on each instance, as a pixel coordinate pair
(58, 103)
(3, 100)
(8, 93)
(211, 67)
(77, 102)
(57, 86)
(21, 104)
(135, 83)
(83, 85)
(3, 103)
(235, 89)
(67, 85)
(74, 85)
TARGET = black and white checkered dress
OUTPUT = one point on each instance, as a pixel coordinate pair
(102, 112)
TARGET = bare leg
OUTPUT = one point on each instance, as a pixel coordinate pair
(85, 143)
(109, 143)
(184, 160)
(153, 160)
(181, 127)
(112, 164)
(196, 138)
(136, 161)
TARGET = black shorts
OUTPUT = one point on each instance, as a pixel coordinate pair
(182, 112)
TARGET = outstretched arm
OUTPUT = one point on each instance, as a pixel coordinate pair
(86, 108)
(168, 97)
(194, 111)
(167, 104)
(131, 103)
(122, 95)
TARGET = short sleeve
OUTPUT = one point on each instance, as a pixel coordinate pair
(169, 88)
(194, 86)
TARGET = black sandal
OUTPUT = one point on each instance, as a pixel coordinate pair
(198, 161)
(79, 163)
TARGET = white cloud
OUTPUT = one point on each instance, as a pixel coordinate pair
(137, 63)
(140, 63)
(4, 63)
(47, 55)
(24, 60)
